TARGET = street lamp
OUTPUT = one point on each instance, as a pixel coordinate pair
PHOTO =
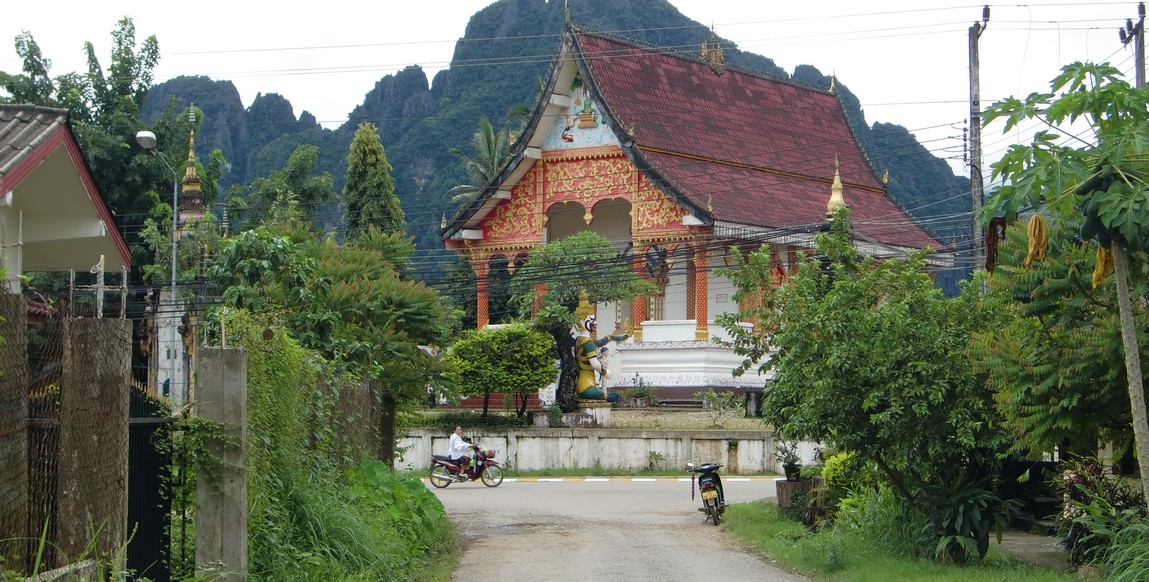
(147, 140)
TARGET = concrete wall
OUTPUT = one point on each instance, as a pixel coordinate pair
(743, 452)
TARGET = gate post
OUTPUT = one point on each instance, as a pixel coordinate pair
(92, 493)
(221, 498)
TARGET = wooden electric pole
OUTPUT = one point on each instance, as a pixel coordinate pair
(976, 186)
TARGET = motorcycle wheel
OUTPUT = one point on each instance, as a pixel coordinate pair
(492, 476)
(440, 477)
(712, 512)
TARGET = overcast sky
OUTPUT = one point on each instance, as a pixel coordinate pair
(907, 64)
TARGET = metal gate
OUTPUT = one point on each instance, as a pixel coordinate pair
(149, 488)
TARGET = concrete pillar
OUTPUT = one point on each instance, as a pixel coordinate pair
(92, 501)
(221, 494)
(13, 429)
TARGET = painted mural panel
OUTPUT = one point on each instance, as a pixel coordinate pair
(583, 125)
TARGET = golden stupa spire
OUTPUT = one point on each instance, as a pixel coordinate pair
(191, 194)
(836, 199)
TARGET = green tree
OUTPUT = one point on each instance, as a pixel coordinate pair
(104, 110)
(868, 355)
(515, 359)
(369, 193)
(1102, 184)
(354, 303)
(1053, 355)
(35, 84)
(292, 186)
(492, 149)
(584, 261)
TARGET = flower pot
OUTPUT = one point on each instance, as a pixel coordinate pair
(793, 471)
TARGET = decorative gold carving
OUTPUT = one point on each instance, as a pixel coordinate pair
(589, 181)
(519, 217)
(652, 209)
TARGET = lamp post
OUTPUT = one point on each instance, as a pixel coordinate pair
(147, 140)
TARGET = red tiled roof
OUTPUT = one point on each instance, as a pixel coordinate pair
(748, 148)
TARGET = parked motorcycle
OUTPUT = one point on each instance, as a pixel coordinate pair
(710, 487)
(484, 467)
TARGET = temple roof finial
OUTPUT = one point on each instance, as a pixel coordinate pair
(836, 199)
(711, 53)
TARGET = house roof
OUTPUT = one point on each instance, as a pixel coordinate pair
(53, 212)
(737, 148)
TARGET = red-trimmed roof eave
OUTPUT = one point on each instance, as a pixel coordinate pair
(634, 154)
(63, 137)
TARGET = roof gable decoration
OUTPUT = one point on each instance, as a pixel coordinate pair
(582, 125)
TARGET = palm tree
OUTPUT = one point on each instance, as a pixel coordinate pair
(491, 152)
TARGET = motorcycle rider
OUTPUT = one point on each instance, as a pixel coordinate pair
(459, 449)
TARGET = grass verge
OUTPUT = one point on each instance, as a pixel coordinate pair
(839, 557)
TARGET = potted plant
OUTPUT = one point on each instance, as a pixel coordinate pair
(787, 454)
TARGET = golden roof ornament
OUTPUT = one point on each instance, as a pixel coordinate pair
(711, 53)
(836, 199)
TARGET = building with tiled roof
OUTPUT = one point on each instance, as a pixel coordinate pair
(674, 158)
(52, 217)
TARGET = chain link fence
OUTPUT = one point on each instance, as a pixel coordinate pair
(64, 390)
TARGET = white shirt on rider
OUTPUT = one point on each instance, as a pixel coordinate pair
(457, 447)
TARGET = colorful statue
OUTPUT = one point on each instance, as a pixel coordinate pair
(587, 352)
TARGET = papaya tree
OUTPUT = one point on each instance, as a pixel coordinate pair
(1097, 178)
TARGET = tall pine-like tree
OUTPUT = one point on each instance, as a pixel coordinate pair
(369, 194)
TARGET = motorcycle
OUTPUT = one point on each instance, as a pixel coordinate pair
(445, 470)
(710, 487)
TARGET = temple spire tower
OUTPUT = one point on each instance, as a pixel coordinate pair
(191, 192)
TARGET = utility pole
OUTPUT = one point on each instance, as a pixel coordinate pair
(1136, 34)
(976, 186)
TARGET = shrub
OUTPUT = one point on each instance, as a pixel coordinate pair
(879, 515)
(717, 404)
(1096, 504)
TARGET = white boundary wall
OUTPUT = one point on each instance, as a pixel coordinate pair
(742, 452)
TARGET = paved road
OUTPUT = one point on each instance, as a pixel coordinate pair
(585, 530)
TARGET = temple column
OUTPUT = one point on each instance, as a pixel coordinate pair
(482, 272)
(639, 307)
(701, 295)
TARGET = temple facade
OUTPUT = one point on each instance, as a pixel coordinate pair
(674, 158)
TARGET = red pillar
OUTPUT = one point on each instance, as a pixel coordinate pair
(482, 313)
(701, 295)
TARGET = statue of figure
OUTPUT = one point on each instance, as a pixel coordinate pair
(587, 352)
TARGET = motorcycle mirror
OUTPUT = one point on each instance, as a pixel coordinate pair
(690, 466)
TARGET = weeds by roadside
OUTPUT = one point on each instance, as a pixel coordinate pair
(858, 557)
